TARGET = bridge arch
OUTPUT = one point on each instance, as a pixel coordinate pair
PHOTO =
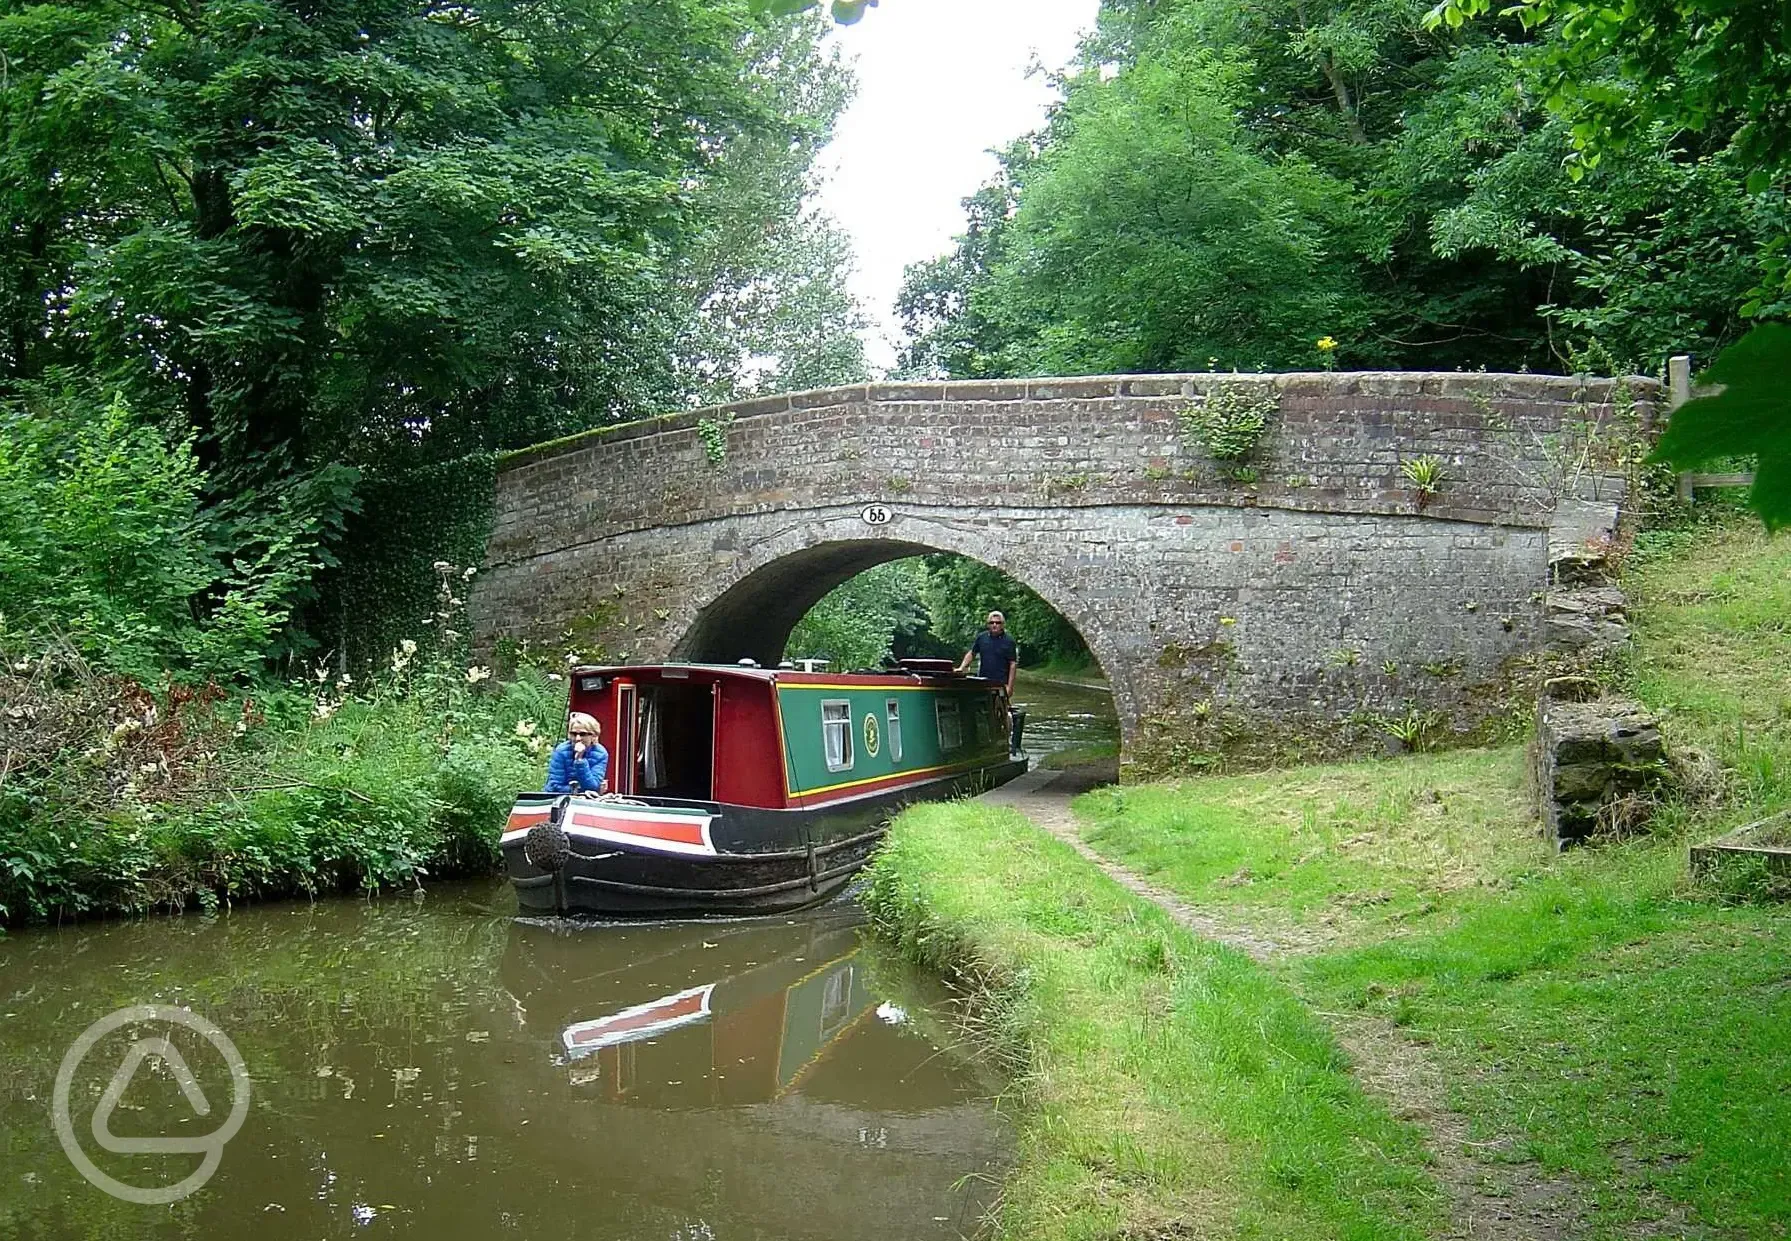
(1298, 598)
(748, 609)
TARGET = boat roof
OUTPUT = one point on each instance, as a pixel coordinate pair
(788, 676)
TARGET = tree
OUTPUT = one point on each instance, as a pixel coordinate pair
(1224, 183)
(372, 237)
(764, 275)
(1622, 74)
(856, 623)
(959, 593)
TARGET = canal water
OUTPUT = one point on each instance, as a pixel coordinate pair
(438, 1069)
(1065, 715)
(435, 1067)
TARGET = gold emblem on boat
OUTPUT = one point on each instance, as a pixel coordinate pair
(871, 737)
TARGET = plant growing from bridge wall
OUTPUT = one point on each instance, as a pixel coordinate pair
(713, 432)
(1226, 424)
(1425, 474)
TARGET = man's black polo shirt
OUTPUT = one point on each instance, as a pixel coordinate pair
(995, 651)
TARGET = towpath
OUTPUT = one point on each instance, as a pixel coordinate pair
(1489, 1201)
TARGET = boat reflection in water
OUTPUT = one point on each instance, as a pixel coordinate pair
(750, 1071)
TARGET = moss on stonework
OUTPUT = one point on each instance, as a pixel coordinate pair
(592, 636)
(1216, 654)
(1208, 736)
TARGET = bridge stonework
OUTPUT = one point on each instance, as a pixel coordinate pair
(1293, 609)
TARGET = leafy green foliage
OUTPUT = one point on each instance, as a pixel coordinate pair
(377, 236)
(1225, 424)
(845, 12)
(931, 606)
(959, 593)
(713, 434)
(1750, 417)
(858, 622)
(1425, 474)
(1225, 184)
(114, 799)
(104, 536)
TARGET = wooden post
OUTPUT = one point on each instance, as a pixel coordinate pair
(1678, 393)
(1678, 380)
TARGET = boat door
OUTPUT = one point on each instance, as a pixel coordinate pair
(621, 762)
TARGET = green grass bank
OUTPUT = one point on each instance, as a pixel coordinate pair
(1166, 1085)
(1610, 1030)
(116, 799)
(1600, 1016)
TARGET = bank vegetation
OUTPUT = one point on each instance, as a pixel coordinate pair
(1610, 1032)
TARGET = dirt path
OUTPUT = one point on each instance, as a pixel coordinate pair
(1489, 1201)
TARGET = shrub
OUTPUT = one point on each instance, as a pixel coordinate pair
(104, 538)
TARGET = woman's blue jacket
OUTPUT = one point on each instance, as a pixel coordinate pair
(589, 771)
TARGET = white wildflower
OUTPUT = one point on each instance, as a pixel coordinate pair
(525, 728)
(475, 674)
(408, 646)
(324, 710)
(468, 575)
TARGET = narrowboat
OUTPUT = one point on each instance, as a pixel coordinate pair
(737, 789)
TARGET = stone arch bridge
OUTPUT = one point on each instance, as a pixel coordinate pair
(1294, 599)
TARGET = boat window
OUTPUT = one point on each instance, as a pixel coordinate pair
(894, 709)
(836, 733)
(979, 721)
(951, 728)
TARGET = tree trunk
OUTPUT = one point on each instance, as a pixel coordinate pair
(1345, 105)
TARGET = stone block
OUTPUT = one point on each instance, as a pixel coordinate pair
(1598, 766)
(1586, 618)
(1093, 387)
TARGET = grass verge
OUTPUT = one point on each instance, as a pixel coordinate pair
(1166, 1086)
(1599, 1014)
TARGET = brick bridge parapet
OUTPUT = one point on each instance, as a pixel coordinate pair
(1311, 585)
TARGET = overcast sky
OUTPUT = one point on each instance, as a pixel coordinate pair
(940, 83)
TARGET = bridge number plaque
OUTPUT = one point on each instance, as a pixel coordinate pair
(876, 514)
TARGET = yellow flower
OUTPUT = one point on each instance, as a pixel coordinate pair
(1326, 344)
(1228, 620)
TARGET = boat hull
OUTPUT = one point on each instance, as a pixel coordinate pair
(652, 857)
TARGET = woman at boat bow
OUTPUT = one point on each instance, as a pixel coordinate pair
(579, 760)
